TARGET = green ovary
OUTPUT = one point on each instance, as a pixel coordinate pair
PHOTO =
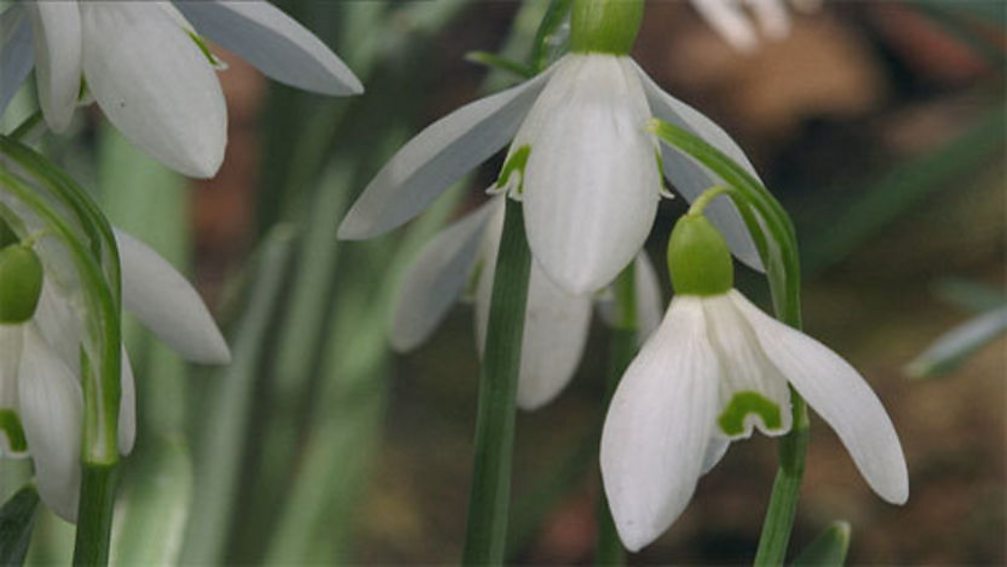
(732, 419)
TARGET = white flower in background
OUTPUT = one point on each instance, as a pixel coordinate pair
(715, 369)
(732, 22)
(41, 400)
(150, 71)
(591, 184)
(462, 258)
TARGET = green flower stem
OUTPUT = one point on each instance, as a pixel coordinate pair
(27, 126)
(622, 349)
(490, 494)
(94, 519)
(775, 237)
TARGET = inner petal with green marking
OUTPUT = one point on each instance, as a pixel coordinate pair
(743, 404)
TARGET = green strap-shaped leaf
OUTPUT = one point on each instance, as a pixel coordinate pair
(828, 549)
(17, 518)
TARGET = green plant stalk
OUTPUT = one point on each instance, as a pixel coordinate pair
(94, 520)
(776, 240)
(622, 349)
(485, 539)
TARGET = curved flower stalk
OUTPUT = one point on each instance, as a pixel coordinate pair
(150, 70)
(588, 169)
(770, 19)
(716, 369)
(41, 398)
(461, 260)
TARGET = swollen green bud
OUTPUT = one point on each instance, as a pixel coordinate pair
(605, 26)
(20, 283)
(698, 258)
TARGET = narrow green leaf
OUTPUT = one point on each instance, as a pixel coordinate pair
(954, 346)
(495, 61)
(829, 549)
(17, 518)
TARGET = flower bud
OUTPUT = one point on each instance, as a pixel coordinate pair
(699, 260)
(20, 283)
(605, 26)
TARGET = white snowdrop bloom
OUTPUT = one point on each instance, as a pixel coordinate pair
(41, 399)
(462, 258)
(149, 69)
(731, 21)
(716, 369)
(589, 171)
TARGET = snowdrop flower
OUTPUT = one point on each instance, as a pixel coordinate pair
(149, 69)
(41, 400)
(462, 258)
(587, 166)
(715, 369)
(728, 18)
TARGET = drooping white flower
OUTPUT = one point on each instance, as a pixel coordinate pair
(41, 400)
(150, 71)
(730, 20)
(716, 369)
(462, 258)
(591, 183)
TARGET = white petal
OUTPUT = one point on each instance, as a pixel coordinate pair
(649, 303)
(437, 278)
(556, 326)
(437, 157)
(772, 17)
(691, 179)
(274, 43)
(591, 185)
(728, 19)
(165, 302)
(51, 410)
(715, 451)
(155, 85)
(744, 367)
(56, 31)
(841, 396)
(127, 406)
(659, 426)
(16, 55)
(58, 317)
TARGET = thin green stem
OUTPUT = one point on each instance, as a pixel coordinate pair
(94, 520)
(622, 349)
(26, 127)
(490, 494)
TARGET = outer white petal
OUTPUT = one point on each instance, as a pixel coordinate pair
(56, 31)
(16, 55)
(744, 366)
(274, 42)
(659, 426)
(556, 326)
(437, 157)
(715, 451)
(649, 301)
(437, 278)
(841, 396)
(727, 18)
(691, 179)
(51, 403)
(155, 84)
(591, 185)
(58, 318)
(165, 302)
(127, 406)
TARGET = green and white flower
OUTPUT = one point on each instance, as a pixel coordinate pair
(149, 69)
(769, 19)
(591, 181)
(461, 260)
(41, 400)
(716, 369)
